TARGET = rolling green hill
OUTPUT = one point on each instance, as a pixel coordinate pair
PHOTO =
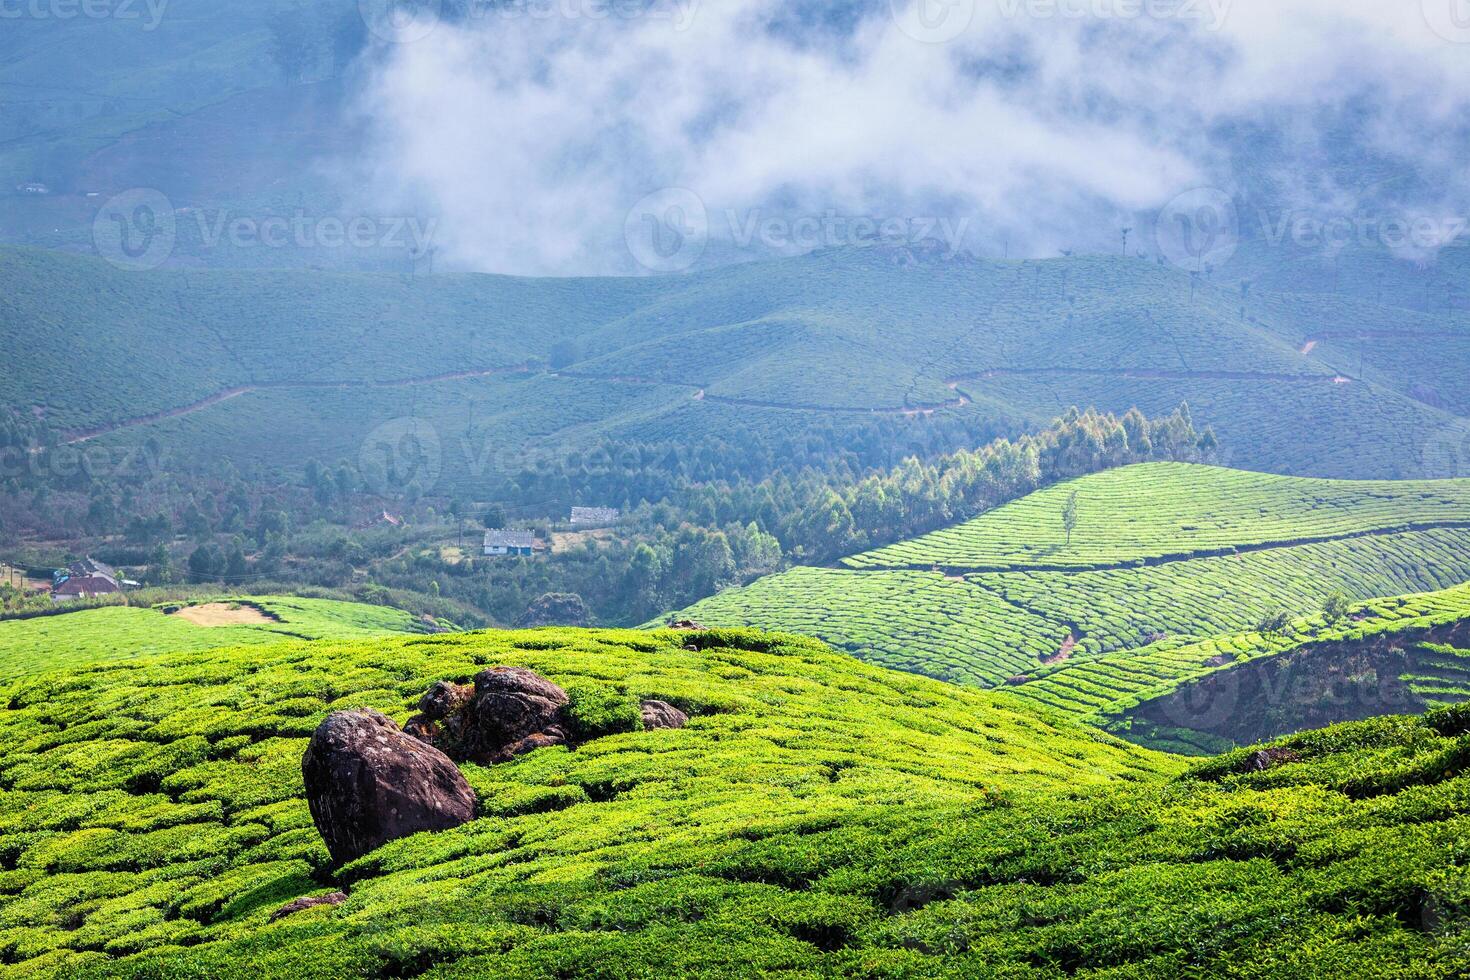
(197, 360)
(89, 636)
(201, 786)
(1160, 551)
(818, 817)
(1153, 512)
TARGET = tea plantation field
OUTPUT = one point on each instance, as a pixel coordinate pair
(1110, 686)
(1143, 513)
(76, 639)
(1160, 550)
(818, 817)
(153, 806)
(915, 621)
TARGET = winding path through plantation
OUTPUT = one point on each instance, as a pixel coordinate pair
(699, 391)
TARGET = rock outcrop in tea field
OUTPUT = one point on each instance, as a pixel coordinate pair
(506, 712)
(368, 783)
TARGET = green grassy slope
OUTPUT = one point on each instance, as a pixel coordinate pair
(88, 636)
(1160, 550)
(780, 345)
(155, 804)
(1152, 511)
(817, 818)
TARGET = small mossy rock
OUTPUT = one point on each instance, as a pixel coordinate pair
(445, 699)
(661, 714)
(556, 609)
(302, 904)
(507, 712)
(368, 783)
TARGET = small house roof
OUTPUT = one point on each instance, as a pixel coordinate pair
(90, 566)
(510, 539)
(88, 585)
(594, 515)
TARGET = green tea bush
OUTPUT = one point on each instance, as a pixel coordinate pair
(594, 712)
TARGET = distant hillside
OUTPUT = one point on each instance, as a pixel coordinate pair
(1159, 550)
(270, 368)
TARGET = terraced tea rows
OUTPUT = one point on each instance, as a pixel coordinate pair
(1158, 510)
(836, 333)
(1107, 688)
(1121, 609)
(992, 627)
(920, 622)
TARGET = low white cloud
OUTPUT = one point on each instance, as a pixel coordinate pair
(1046, 124)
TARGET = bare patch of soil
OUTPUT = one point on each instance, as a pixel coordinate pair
(225, 614)
(1064, 654)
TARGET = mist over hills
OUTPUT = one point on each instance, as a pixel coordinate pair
(527, 137)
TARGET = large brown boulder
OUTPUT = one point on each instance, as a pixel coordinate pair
(509, 711)
(368, 783)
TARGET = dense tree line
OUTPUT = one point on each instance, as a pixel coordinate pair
(698, 518)
(705, 537)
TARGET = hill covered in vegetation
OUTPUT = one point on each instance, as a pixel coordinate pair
(503, 371)
(1157, 551)
(817, 817)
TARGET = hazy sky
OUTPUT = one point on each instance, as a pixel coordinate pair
(1037, 124)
